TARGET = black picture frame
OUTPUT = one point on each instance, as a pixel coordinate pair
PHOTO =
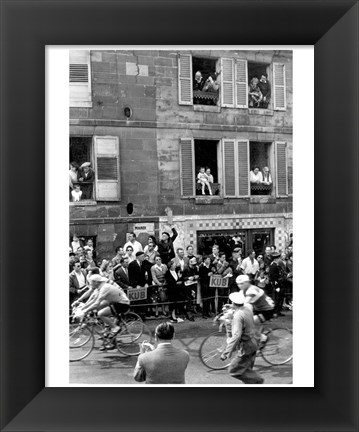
(26, 27)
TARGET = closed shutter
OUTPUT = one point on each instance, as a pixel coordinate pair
(80, 78)
(229, 168)
(281, 169)
(107, 168)
(241, 84)
(227, 82)
(187, 168)
(243, 168)
(185, 95)
(279, 86)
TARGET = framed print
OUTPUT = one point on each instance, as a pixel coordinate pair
(28, 27)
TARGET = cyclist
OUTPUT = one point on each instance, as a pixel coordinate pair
(262, 305)
(106, 299)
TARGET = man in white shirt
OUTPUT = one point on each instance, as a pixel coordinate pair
(250, 265)
(256, 176)
(181, 260)
(136, 245)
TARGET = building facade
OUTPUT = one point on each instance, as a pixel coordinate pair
(147, 131)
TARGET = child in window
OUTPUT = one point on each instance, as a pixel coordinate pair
(202, 178)
(76, 193)
(254, 93)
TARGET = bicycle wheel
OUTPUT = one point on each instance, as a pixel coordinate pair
(211, 350)
(81, 343)
(128, 341)
(137, 325)
(278, 349)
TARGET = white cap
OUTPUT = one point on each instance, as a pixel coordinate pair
(97, 278)
(242, 278)
(237, 297)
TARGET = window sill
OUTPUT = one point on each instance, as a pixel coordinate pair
(80, 104)
(262, 199)
(206, 108)
(83, 203)
(260, 111)
(207, 199)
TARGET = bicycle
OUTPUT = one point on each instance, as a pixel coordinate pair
(276, 350)
(126, 340)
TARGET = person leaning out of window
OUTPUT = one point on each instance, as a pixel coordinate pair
(266, 176)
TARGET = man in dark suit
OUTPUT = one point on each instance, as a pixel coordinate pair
(137, 271)
(165, 364)
(138, 274)
(121, 274)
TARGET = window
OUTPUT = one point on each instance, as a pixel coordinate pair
(259, 87)
(260, 164)
(233, 164)
(101, 181)
(200, 155)
(234, 76)
(80, 78)
(205, 85)
(206, 167)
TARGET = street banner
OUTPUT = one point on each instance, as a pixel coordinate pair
(137, 294)
(217, 281)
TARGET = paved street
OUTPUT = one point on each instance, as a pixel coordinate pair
(113, 368)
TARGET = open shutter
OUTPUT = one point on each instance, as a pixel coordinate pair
(241, 83)
(227, 82)
(80, 78)
(185, 94)
(188, 179)
(107, 168)
(243, 168)
(229, 168)
(281, 168)
(279, 87)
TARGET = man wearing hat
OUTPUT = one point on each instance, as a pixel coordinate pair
(235, 264)
(277, 280)
(109, 298)
(242, 345)
(86, 176)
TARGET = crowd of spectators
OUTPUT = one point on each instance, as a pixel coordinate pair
(178, 280)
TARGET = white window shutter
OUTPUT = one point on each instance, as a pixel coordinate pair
(243, 168)
(227, 82)
(107, 168)
(241, 83)
(185, 91)
(188, 177)
(281, 169)
(229, 168)
(279, 87)
(80, 78)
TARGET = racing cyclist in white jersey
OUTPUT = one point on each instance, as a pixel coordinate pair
(261, 304)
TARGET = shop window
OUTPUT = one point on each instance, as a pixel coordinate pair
(226, 240)
(205, 81)
(261, 182)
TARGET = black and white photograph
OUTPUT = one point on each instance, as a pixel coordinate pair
(181, 216)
